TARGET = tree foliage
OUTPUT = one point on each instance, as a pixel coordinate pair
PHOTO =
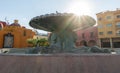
(38, 42)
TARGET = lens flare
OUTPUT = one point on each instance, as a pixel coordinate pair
(80, 7)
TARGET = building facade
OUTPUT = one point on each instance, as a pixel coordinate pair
(13, 36)
(109, 29)
(88, 34)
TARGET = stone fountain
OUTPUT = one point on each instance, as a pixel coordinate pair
(62, 39)
(63, 27)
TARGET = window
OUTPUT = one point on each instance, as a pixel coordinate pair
(100, 33)
(118, 32)
(108, 17)
(83, 35)
(118, 24)
(109, 32)
(109, 25)
(24, 33)
(100, 26)
(100, 19)
(118, 16)
(0, 27)
(91, 34)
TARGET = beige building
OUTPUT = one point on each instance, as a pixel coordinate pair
(109, 28)
(40, 37)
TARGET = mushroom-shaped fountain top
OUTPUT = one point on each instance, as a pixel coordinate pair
(52, 22)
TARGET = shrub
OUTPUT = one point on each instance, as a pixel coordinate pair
(38, 42)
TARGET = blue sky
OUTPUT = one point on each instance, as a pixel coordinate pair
(24, 10)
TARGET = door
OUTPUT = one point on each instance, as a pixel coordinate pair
(8, 41)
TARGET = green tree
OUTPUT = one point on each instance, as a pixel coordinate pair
(38, 42)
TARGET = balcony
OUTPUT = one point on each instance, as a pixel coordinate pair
(117, 34)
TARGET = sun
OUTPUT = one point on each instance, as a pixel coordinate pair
(80, 8)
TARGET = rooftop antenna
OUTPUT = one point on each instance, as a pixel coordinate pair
(6, 20)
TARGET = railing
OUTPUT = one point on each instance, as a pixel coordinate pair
(118, 34)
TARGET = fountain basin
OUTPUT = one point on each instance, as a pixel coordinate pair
(59, 63)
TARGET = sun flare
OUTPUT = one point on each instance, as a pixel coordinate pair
(80, 8)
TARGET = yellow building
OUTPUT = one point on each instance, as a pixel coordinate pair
(109, 28)
(13, 36)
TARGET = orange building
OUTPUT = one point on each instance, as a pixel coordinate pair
(15, 36)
